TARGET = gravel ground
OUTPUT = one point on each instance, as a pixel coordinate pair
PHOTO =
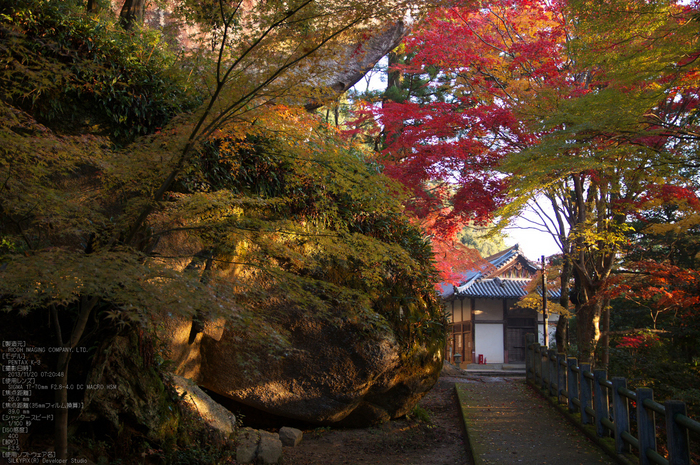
(400, 442)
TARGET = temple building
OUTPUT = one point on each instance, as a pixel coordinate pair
(487, 326)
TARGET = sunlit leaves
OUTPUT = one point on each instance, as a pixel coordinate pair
(303, 211)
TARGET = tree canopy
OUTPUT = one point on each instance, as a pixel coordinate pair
(515, 103)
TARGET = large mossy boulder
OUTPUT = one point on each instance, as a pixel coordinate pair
(330, 372)
(124, 391)
(328, 312)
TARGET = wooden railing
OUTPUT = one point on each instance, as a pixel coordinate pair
(606, 405)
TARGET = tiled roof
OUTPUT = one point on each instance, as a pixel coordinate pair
(447, 289)
(501, 259)
(478, 283)
(495, 288)
(499, 288)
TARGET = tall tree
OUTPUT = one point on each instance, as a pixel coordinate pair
(131, 14)
(446, 135)
(603, 143)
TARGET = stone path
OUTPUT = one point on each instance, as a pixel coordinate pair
(508, 423)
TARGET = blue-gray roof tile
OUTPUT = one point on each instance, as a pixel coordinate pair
(476, 283)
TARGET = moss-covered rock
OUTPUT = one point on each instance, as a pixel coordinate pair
(329, 374)
(124, 390)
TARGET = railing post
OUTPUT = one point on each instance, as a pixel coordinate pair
(678, 450)
(585, 392)
(529, 355)
(561, 376)
(600, 399)
(572, 383)
(646, 425)
(552, 356)
(538, 363)
(621, 415)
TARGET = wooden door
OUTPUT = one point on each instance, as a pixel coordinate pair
(462, 337)
(515, 338)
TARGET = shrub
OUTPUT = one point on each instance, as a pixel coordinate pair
(65, 66)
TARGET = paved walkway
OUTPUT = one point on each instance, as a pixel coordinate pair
(508, 423)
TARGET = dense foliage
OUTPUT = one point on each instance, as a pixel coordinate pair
(119, 206)
(88, 73)
(139, 178)
(550, 105)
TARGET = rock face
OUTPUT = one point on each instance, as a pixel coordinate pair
(290, 437)
(258, 447)
(332, 374)
(139, 397)
(212, 413)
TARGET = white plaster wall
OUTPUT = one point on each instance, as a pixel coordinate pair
(489, 309)
(489, 342)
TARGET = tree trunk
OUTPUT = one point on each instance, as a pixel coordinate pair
(61, 412)
(605, 338)
(92, 6)
(132, 13)
(393, 77)
(61, 394)
(562, 334)
(588, 329)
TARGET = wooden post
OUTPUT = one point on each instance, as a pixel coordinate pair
(585, 396)
(553, 378)
(529, 355)
(545, 316)
(538, 363)
(545, 367)
(646, 425)
(572, 383)
(621, 415)
(600, 399)
(561, 377)
(678, 450)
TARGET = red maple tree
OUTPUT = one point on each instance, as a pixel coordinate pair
(482, 64)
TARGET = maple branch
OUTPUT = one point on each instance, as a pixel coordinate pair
(201, 132)
(228, 262)
(561, 238)
(547, 222)
(242, 228)
(536, 226)
(529, 72)
(498, 82)
(19, 227)
(506, 30)
(228, 112)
